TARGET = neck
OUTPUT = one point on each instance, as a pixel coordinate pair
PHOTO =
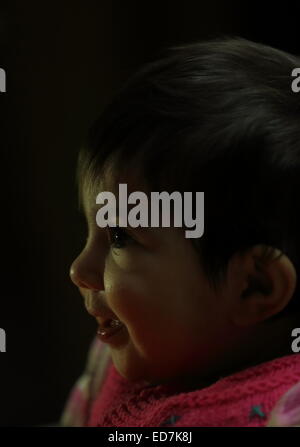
(265, 342)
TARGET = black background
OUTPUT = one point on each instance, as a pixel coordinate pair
(63, 63)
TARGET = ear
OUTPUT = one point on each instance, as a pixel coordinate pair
(263, 286)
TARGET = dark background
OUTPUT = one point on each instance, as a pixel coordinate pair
(63, 64)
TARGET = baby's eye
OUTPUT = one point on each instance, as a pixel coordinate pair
(119, 238)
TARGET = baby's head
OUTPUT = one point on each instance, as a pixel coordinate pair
(218, 117)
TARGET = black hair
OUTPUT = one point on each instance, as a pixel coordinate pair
(217, 116)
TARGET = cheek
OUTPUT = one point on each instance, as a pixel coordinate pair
(153, 296)
(130, 280)
(143, 308)
(127, 292)
(126, 301)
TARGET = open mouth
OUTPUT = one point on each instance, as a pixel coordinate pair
(109, 329)
(108, 323)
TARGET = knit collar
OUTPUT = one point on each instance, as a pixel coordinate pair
(241, 376)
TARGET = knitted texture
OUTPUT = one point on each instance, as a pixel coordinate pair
(78, 404)
(244, 399)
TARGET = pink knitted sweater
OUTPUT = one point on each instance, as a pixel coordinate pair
(244, 399)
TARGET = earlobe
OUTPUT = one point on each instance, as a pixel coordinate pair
(268, 286)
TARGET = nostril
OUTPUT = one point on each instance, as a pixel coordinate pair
(84, 274)
(88, 283)
(81, 285)
(76, 279)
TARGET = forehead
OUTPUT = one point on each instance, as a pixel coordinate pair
(109, 181)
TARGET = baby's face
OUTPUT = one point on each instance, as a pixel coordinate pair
(175, 324)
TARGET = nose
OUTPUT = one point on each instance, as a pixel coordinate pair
(86, 271)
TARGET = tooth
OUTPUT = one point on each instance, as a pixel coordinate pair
(115, 323)
(102, 331)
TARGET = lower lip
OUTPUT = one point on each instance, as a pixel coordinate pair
(111, 335)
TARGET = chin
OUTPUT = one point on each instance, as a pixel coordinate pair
(130, 368)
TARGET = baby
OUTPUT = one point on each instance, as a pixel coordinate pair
(194, 331)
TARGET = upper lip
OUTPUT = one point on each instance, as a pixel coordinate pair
(103, 316)
(103, 320)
